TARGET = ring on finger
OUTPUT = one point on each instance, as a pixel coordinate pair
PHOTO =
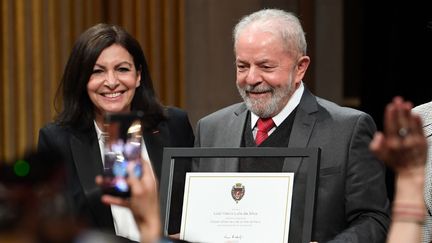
(403, 132)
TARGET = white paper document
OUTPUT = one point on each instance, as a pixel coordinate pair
(237, 207)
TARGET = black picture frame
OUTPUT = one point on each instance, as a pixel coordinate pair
(311, 155)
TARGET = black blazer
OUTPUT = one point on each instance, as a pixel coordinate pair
(82, 157)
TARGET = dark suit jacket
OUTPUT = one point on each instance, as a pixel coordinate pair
(351, 203)
(82, 157)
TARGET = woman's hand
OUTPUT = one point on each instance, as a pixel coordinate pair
(402, 145)
(144, 202)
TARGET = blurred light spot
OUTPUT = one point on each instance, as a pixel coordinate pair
(21, 168)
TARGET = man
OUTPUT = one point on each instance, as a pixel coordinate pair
(270, 50)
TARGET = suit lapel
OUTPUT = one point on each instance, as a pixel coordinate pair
(88, 163)
(236, 126)
(235, 135)
(427, 126)
(231, 137)
(425, 112)
(303, 125)
(155, 141)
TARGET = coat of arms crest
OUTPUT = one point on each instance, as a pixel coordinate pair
(237, 192)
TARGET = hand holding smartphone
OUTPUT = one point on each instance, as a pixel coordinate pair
(122, 149)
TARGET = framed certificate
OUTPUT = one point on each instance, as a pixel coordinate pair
(223, 205)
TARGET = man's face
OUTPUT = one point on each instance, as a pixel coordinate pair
(267, 74)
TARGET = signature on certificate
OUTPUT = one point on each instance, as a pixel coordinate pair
(232, 238)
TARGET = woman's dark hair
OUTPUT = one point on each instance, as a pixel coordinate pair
(77, 107)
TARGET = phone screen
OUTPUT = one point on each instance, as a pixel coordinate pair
(122, 149)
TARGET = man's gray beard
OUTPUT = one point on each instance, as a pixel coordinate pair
(270, 108)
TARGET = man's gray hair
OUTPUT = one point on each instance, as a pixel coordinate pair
(275, 21)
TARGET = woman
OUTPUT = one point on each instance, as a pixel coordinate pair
(425, 112)
(107, 72)
(403, 147)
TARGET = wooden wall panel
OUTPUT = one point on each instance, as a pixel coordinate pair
(8, 138)
(20, 96)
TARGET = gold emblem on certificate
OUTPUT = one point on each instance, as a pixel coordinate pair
(237, 192)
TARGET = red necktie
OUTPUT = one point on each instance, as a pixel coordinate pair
(264, 126)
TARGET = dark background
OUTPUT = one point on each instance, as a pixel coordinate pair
(388, 52)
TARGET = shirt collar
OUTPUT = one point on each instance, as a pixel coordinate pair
(286, 111)
(99, 132)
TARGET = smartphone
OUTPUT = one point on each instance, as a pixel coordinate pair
(122, 149)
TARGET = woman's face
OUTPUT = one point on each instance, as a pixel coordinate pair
(112, 84)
